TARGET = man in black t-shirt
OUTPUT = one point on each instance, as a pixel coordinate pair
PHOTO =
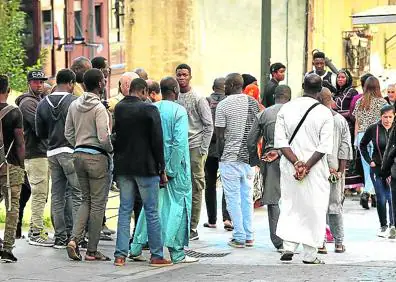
(328, 78)
(14, 145)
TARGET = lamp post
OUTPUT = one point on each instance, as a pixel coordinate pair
(265, 44)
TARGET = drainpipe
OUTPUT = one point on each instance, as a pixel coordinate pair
(305, 65)
(91, 27)
(265, 44)
(53, 62)
(287, 41)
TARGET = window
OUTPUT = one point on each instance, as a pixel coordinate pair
(77, 25)
(98, 20)
(47, 31)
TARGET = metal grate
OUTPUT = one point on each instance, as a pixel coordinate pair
(195, 254)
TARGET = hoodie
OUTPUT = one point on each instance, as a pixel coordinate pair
(50, 121)
(213, 100)
(35, 147)
(87, 124)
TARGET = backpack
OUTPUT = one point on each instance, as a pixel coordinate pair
(3, 154)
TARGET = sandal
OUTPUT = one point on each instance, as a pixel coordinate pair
(228, 225)
(322, 250)
(339, 248)
(208, 225)
(96, 256)
(73, 251)
(315, 261)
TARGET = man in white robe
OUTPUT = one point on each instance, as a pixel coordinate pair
(305, 188)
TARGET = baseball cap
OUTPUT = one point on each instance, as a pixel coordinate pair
(276, 66)
(36, 75)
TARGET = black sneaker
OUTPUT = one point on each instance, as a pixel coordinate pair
(60, 243)
(105, 237)
(107, 231)
(7, 256)
(194, 235)
(83, 245)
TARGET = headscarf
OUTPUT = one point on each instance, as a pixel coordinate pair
(348, 83)
(253, 91)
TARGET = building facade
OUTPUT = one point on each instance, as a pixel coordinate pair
(62, 28)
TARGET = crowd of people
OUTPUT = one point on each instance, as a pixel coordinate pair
(162, 144)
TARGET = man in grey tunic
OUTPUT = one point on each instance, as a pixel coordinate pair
(264, 127)
(342, 152)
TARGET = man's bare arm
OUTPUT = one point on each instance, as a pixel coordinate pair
(220, 140)
(290, 156)
(313, 160)
(342, 165)
(19, 146)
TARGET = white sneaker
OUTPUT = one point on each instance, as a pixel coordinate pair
(383, 232)
(392, 233)
(188, 259)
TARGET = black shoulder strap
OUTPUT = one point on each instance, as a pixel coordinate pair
(301, 122)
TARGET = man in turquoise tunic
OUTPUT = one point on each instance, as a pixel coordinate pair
(175, 198)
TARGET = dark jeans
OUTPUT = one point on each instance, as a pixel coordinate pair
(211, 169)
(24, 198)
(93, 175)
(383, 193)
(65, 193)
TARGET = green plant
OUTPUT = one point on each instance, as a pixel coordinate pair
(13, 54)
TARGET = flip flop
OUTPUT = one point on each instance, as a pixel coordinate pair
(228, 227)
(315, 261)
(96, 256)
(72, 251)
(322, 250)
(339, 249)
(208, 225)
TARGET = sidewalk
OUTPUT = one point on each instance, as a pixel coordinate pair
(367, 258)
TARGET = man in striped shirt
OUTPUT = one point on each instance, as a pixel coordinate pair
(234, 119)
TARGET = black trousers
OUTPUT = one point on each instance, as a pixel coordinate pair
(393, 190)
(24, 198)
(211, 169)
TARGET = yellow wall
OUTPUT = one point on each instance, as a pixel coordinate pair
(213, 37)
(332, 17)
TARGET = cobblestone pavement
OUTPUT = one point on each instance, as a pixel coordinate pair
(368, 258)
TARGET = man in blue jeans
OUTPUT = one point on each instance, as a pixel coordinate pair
(139, 164)
(234, 119)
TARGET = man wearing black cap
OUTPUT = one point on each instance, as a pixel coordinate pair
(36, 162)
(278, 74)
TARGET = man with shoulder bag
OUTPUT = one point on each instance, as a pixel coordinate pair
(12, 154)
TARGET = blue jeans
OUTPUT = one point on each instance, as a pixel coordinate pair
(148, 188)
(237, 180)
(368, 184)
(382, 190)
